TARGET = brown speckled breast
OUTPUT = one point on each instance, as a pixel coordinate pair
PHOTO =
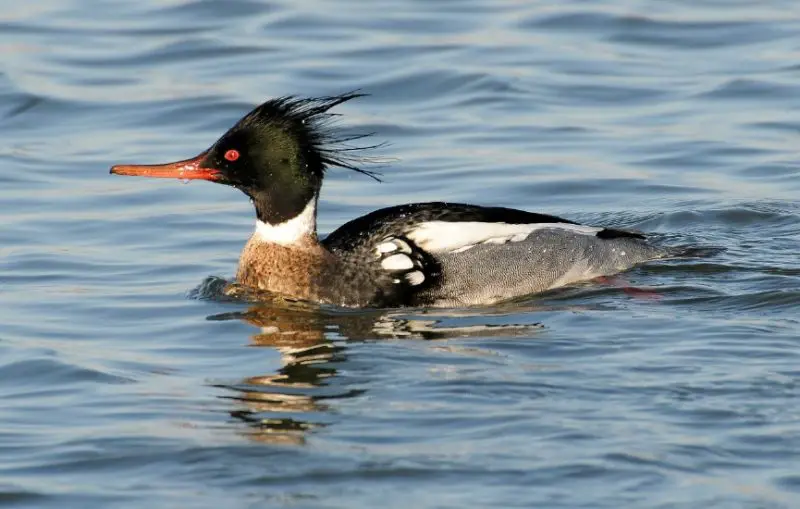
(306, 270)
(294, 271)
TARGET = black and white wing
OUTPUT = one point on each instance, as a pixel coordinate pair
(439, 226)
(411, 242)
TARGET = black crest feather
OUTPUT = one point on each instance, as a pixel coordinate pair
(309, 119)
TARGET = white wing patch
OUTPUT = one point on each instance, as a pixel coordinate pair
(397, 257)
(397, 262)
(415, 278)
(456, 237)
(387, 247)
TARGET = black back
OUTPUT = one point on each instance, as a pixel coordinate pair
(391, 220)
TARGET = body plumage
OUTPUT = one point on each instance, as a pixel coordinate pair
(422, 254)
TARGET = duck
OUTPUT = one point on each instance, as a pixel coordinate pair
(433, 254)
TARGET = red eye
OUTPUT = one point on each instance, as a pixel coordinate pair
(232, 155)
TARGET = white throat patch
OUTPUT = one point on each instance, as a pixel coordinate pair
(289, 232)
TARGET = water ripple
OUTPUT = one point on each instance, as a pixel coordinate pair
(132, 378)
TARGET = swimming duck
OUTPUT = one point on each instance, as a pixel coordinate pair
(420, 254)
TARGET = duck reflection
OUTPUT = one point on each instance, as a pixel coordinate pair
(282, 407)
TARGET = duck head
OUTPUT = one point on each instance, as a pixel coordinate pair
(277, 155)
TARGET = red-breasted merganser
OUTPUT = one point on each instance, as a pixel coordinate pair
(421, 254)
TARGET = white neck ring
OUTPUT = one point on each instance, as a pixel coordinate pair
(288, 232)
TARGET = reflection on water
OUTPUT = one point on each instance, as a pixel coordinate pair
(282, 407)
(279, 407)
(677, 118)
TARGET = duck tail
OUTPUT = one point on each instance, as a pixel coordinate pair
(694, 251)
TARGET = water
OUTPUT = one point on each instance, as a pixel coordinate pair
(123, 384)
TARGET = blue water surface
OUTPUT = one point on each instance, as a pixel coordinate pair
(126, 381)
